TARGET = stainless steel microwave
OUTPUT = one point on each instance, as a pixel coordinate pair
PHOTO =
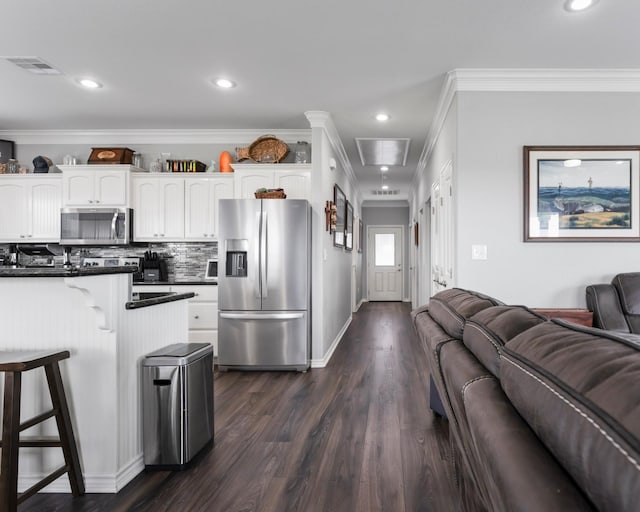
(96, 226)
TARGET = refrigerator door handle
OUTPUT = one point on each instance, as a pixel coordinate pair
(262, 316)
(258, 256)
(263, 256)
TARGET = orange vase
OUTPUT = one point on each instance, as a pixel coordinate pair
(225, 162)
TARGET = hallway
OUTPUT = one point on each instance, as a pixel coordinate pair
(355, 436)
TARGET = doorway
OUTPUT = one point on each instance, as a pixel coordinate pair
(385, 257)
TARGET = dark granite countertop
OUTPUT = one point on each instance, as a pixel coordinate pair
(169, 297)
(175, 282)
(6, 271)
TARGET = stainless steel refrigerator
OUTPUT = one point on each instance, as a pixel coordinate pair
(264, 284)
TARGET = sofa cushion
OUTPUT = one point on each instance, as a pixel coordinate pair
(487, 331)
(518, 471)
(604, 301)
(579, 390)
(628, 287)
(450, 308)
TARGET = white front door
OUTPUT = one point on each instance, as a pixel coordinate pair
(384, 261)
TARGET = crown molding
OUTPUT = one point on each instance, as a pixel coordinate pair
(141, 136)
(547, 80)
(321, 119)
(521, 80)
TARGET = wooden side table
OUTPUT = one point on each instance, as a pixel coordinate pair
(577, 316)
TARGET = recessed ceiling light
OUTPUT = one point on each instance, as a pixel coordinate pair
(382, 117)
(225, 83)
(579, 5)
(89, 84)
(384, 168)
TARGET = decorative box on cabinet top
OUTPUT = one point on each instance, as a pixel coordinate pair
(111, 156)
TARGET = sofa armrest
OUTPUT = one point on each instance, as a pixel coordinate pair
(603, 300)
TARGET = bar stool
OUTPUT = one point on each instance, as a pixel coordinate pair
(13, 364)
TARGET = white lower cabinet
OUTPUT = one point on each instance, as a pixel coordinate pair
(203, 310)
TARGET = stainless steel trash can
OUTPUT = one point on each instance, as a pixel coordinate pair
(177, 404)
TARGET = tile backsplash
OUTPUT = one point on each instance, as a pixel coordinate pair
(185, 261)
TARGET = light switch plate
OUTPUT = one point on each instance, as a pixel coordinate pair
(478, 252)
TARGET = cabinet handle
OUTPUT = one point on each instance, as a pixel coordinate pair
(206, 235)
(97, 201)
(91, 200)
(196, 317)
(21, 236)
(29, 236)
(155, 234)
(161, 234)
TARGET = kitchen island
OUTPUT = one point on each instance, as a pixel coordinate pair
(84, 311)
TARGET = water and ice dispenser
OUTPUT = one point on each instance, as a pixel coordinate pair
(236, 261)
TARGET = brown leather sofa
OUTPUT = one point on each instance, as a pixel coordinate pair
(544, 415)
(616, 306)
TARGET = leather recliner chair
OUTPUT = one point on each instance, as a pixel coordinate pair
(616, 306)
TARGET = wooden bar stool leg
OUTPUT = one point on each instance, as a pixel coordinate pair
(10, 442)
(65, 429)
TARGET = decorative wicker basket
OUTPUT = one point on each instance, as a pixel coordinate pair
(277, 193)
(264, 149)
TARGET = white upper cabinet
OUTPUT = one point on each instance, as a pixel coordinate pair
(95, 185)
(295, 179)
(30, 208)
(158, 204)
(201, 206)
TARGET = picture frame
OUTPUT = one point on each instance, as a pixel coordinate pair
(581, 193)
(340, 200)
(348, 231)
(360, 234)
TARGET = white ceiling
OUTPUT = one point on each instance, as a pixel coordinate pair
(352, 58)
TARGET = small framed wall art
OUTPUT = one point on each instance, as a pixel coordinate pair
(348, 231)
(340, 201)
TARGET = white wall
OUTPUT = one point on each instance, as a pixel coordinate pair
(492, 129)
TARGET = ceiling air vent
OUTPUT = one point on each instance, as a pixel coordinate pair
(34, 65)
(383, 151)
(379, 192)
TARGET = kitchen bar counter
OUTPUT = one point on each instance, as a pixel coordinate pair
(170, 297)
(8, 271)
(176, 282)
(83, 311)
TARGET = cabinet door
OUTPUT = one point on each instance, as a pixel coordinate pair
(110, 188)
(13, 210)
(78, 188)
(220, 189)
(197, 222)
(145, 209)
(248, 182)
(171, 209)
(294, 183)
(46, 200)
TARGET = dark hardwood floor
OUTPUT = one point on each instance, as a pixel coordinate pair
(357, 435)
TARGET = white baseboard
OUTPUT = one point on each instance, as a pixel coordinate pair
(362, 301)
(103, 483)
(321, 363)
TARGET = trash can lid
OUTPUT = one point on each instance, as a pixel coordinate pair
(177, 354)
